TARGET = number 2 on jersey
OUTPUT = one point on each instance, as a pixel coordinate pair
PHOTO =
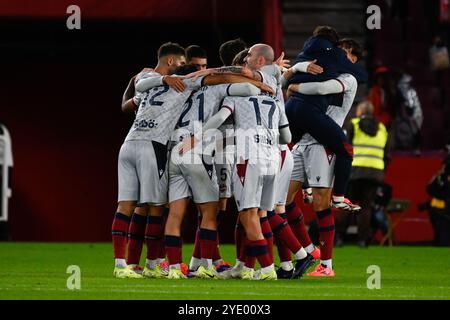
(201, 104)
(153, 102)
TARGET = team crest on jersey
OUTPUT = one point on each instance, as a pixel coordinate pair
(318, 178)
(329, 154)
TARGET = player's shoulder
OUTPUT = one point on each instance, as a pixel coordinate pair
(349, 81)
(347, 77)
(149, 74)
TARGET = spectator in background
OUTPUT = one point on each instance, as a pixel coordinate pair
(439, 57)
(439, 208)
(197, 56)
(409, 112)
(370, 142)
(440, 64)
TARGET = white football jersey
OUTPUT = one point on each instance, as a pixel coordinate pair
(158, 112)
(257, 120)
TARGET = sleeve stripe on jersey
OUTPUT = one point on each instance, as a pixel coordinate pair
(342, 84)
(231, 110)
(284, 126)
(261, 74)
(228, 89)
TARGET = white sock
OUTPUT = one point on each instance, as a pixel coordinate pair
(301, 254)
(310, 248)
(175, 266)
(195, 263)
(327, 263)
(338, 199)
(217, 262)
(151, 264)
(121, 263)
(287, 265)
(160, 260)
(207, 263)
(267, 269)
(309, 190)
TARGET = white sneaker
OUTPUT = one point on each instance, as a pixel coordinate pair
(235, 272)
(345, 205)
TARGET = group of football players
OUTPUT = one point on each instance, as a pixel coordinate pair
(208, 135)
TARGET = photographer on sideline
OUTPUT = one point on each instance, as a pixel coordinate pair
(439, 208)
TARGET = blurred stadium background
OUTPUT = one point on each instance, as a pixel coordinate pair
(61, 92)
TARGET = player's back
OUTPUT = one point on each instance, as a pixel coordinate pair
(257, 120)
(158, 112)
(199, 108)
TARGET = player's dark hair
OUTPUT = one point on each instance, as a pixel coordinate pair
(328, 33)
(170, 48)
(228, 50)
(195, 51)
(239, 58)
(185, 69)
(355, 46)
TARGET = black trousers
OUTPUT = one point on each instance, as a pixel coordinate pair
(440, 220)
(363, 192)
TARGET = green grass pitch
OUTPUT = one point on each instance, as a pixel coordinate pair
(38, 271)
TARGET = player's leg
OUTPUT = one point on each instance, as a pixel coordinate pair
(293, 213)
(151, 167)
(196, 258)
(154, 236)
(119, 231)
(207, 239)
(136, 233)
(172, 235)
(179, 194)
(202, 181)
(266, 230)
(223, 172)
(257, 248)
(127, 199)
(325, 219)
(320, 167)
(328, 133)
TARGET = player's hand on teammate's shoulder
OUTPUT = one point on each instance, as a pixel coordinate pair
(265, 88)
(175, 82)
(307, 67)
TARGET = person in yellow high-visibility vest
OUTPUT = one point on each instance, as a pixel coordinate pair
(369, 138)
